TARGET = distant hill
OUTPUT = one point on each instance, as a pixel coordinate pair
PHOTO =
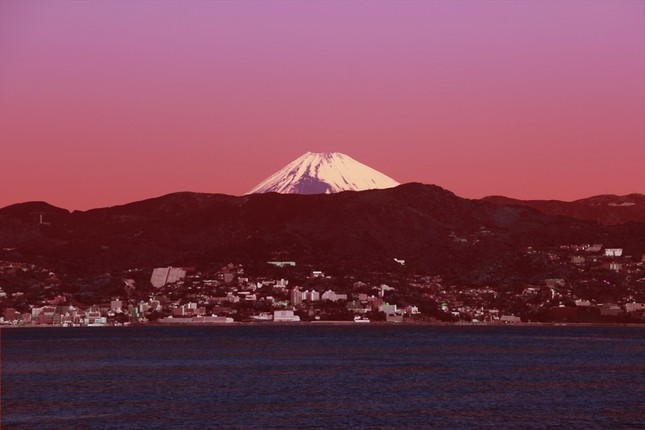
(603, 209)
(429, 227)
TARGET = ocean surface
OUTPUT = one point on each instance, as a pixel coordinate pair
(324, 377)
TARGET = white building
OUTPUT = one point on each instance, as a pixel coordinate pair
(94, 319)
(332, 296)
(285, 316)
(613, 252)
(634, 307)
(166, 275)
(617, 267)
(412, 310)
(387, 308)
(311, 296)
(296, 296)
(282, 263)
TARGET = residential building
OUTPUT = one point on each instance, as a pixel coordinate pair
(634, 307)
(616, 267)
(332, 296)
(311, 296)
(296, 296)
(387, 309)
(116, 305)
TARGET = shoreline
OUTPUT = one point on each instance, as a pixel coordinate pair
(338, 323)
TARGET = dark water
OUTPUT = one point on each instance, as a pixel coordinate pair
(328, 377)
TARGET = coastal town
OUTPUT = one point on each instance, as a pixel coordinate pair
(595, 284)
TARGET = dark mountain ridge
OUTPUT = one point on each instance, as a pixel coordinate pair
(430, 227)
(605, 209)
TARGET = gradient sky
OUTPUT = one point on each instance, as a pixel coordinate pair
(107, 102)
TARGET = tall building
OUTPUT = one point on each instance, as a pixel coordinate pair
(311, 296)
(296, 296)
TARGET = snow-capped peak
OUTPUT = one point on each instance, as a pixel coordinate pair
(324, 173)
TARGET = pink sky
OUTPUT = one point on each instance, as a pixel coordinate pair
(107, 102)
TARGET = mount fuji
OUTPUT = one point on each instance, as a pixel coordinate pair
(324, 173)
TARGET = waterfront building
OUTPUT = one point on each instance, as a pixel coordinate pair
(285, 316)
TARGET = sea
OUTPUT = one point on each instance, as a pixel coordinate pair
(310, 376)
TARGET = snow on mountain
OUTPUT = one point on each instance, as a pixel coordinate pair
(324, 173)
